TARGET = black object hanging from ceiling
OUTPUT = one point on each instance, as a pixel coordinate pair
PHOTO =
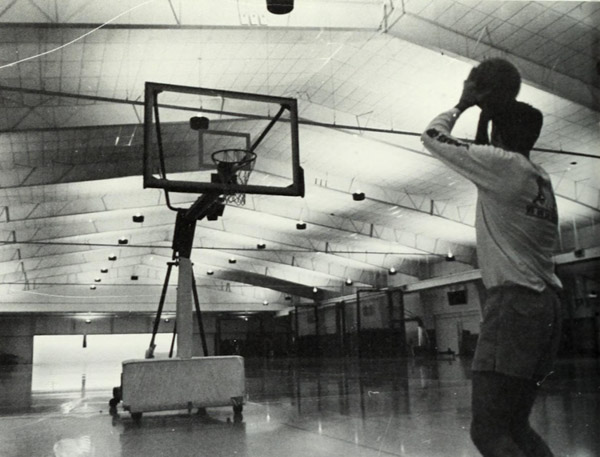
(280, 6)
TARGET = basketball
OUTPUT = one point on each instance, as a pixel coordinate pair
(499, 79)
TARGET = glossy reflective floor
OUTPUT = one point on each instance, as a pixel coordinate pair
(311, 408)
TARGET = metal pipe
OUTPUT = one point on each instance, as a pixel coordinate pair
(161, 304)
(246, 115)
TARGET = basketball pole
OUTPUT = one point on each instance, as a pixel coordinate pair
(185, 328)
(183, 240)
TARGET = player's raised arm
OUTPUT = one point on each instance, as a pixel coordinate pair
(479, 162)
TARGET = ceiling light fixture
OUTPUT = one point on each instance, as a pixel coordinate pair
(392, 271)
(261, 245)
(97, 280)
(104, 270)
(315, 290)
(210, 272)
(138, 218)
(358, 196)
(265, 303)
(112, 257)
(349, 282)
(93, 287)
(450, 257)
(232, 260)
(134, 277)
(199, 123)
(301, 225)
(123, 240)
(280, 6)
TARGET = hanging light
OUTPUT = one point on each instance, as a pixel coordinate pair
(358, 196)
(280, 6)
(199, 123)
(392, 271)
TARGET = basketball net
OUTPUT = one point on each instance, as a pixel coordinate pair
(234, 166)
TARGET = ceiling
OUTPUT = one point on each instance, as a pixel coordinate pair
(368, 76)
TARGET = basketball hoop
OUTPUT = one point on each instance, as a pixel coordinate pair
(234, 167)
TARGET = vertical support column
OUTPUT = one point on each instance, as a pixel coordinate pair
(296, 331)
(16, 342)
(218, 336)
(358, 325)
(317, 332)
(339, 332)
(16, 338)
(344, 338)
(396, 321)
(185, 328)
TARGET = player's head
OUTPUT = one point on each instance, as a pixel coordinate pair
(500, 80)
(517, 128)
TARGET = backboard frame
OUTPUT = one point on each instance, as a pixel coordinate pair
(152, 89)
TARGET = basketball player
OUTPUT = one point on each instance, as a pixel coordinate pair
(516, 228)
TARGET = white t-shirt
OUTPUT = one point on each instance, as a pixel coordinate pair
(516, 220)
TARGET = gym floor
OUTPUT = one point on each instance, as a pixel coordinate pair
(331, 407)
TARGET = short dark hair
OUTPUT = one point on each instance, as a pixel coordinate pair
(519, 126)
(499, 76)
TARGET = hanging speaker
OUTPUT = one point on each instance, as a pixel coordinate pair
(280, 6)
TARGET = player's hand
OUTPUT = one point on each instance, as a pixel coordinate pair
(471, 94)
(469, 97)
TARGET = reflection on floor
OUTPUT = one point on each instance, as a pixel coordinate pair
(330, 407)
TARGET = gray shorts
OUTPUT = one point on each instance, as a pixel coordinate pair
(520, 332)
